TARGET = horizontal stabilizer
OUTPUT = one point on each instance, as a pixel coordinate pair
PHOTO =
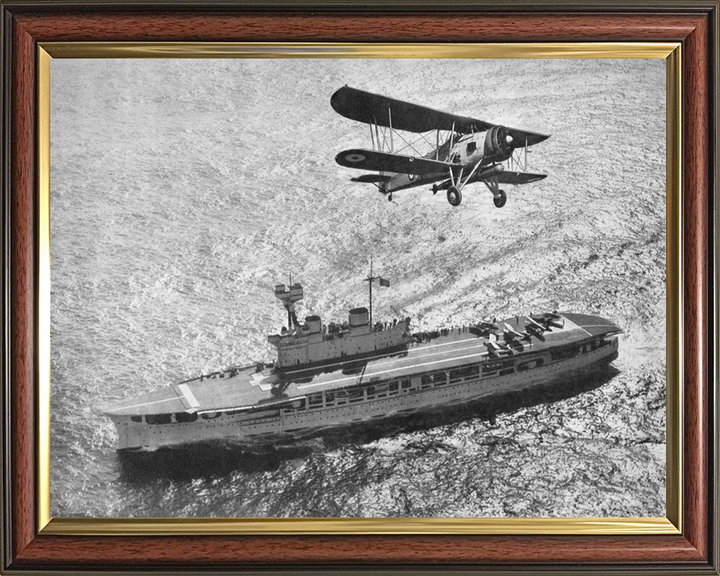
(371, 178)
(509, 177)
(386, 162)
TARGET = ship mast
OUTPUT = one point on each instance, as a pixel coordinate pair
(370, 279)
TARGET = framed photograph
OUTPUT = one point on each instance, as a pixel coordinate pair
(301, 288)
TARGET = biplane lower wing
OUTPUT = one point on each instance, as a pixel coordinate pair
(386, 162)
(371, 178)
(510, 177)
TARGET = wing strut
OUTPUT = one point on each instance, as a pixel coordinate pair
(519, 158)
(477, 165)
(377, 135)
(452, 135)
(392, 147)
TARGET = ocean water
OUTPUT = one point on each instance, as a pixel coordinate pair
(183, 190)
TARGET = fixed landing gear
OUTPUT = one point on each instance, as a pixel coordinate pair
(454, 196)
(499, 196)
(390, 197)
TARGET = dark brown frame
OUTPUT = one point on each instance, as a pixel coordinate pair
(693, 23)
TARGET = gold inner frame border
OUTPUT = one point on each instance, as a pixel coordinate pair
(670, 524)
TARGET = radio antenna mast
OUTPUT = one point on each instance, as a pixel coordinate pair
(370, 279)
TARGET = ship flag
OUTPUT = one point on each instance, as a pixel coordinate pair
(384, 282)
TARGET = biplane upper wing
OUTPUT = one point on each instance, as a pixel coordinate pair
(525, 137)
(372, 108)
(509, 177)
(376, 109)
(386, 162)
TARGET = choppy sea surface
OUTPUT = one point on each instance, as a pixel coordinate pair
(182, 191)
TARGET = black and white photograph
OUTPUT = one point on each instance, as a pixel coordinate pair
(342, 288)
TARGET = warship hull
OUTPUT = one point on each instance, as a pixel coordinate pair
(453, 369)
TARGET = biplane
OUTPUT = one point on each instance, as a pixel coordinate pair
(463, 150)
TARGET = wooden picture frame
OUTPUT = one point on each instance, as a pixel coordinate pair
(31, 544)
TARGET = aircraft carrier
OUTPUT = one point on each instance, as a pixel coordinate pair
(329, 375)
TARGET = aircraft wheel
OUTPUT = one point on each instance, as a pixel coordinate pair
(454, 196)
(390, 197)
(500, 199)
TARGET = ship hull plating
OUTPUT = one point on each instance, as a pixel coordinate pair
(411, 395)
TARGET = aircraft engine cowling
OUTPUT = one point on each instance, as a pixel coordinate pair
(498, 143)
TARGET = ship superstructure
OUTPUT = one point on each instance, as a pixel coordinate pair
(314, 343)
(357, 371)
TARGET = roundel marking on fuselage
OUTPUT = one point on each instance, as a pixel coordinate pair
(354, 157)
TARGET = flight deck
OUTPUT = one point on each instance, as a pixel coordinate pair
(252, 386)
